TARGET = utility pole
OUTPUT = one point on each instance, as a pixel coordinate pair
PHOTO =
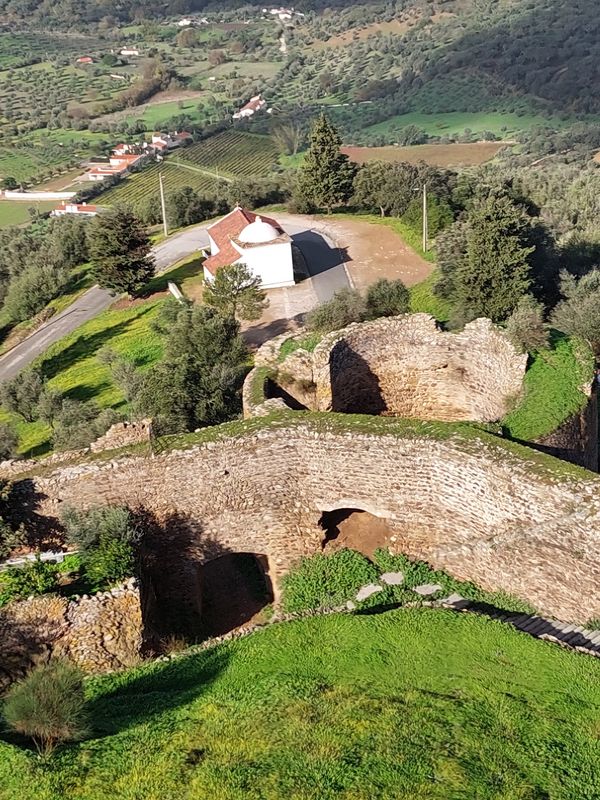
(162, 204)
(425, 225)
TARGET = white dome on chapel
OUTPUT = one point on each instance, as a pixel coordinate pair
(258, 232)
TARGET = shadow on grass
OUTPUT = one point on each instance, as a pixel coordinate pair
(155, 690)
(87, 345)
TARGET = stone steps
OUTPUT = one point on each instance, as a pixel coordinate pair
(573, 636)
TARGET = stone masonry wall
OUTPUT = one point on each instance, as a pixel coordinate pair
(408, 367)
(99, 633)
(576, 440)
(500, 515)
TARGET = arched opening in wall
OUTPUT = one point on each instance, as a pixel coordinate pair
(234, 588)
(355, 529)
(273, 389)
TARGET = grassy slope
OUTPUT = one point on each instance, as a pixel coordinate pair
(413, 704)
(16, 212)
(72, 364)
(451, 123)
(552, 389)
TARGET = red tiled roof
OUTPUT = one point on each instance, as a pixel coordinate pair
(81, 207)
(228, 228)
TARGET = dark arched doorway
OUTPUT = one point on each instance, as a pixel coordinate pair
(234, 588)
(355, 529)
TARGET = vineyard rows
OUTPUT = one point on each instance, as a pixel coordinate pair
(234, 154)
(141, 185)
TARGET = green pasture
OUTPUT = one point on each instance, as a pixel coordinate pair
(454, 123)
(414, 704)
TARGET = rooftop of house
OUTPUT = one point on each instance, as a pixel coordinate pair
(229, 228)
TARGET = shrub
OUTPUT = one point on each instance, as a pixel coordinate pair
(526, 327)
(106, 538)
(32, 289)
(78, 424)
(34, 578)
(8, 441)
(579, 313)
(387, 298)
(326, 581)
(48, 706)
(346, 306)
(22, 394)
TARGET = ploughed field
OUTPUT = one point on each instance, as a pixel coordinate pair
(407, 704)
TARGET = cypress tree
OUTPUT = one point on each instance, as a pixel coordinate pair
(120, 252)
(495, 271)
(327, 174)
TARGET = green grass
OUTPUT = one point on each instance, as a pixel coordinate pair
(552, 392)
(452, 123)
(155, 113)
(72, 365)
(423, 299)
(416, 704)
(16, 212)
(308, 343)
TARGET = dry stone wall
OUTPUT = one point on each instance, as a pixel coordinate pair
(495, 513)
(99, 632)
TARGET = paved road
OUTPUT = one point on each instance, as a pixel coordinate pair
(322, 256)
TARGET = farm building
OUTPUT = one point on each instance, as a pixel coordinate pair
(242, 237)
(255, 104)
(169, 141)
(85, 60)
(117, 165)
(129, 51)
(81, 209)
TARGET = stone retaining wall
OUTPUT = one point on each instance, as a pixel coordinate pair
(491, 512)
(101, 632)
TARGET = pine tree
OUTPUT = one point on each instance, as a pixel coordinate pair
(495, 271)
(326, 175)
(235, 292)
(120, 252)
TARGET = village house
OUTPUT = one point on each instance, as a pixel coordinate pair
(256, 103)
(81, 209)
(163, 142)
(129, 51)
(117, 165)
(85, 60)
(242, 237)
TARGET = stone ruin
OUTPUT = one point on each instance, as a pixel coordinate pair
(405, 366)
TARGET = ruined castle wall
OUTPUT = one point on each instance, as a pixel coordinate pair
(484, 512)
(407, 367)
(576, 440)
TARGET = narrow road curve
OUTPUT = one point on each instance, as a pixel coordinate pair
(166, 254)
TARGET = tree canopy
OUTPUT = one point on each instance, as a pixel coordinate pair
(120, 252)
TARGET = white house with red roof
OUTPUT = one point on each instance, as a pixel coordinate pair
(242, 237)
(117, 165)
(81, 209)
(256, 103)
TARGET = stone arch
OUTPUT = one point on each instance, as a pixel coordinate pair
(234, 588)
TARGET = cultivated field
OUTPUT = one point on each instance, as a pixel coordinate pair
(233, 154)
(456, 122)
(141, 185)
(440, 155)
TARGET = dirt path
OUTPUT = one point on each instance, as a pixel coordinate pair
(375, 251)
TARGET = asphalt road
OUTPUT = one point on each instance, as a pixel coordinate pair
(322, 256)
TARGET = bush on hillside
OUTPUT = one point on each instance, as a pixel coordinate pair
(8, 441)
(21, 395)
(48, 706)
(526, 327)
(578, 314)
(32, 579)
(387, 298)
(346, 306)
(32, 289)
(106, 538)
(77, 425)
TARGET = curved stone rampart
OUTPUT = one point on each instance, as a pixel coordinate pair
(486, 510)
(408, 367)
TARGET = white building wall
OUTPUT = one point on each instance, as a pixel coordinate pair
(273, 264)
